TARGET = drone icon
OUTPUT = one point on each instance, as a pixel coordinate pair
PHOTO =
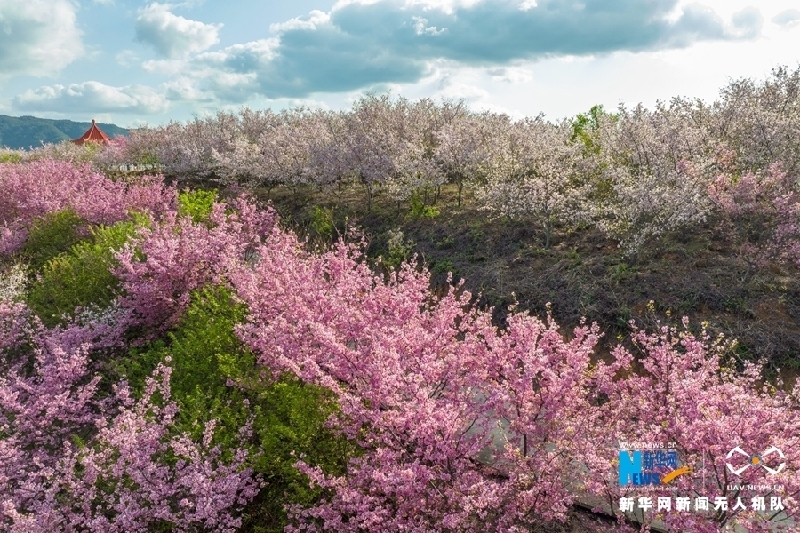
(756, 460)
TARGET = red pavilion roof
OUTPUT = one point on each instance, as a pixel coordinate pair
(93, 134)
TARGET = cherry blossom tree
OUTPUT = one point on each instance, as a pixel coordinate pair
(31, 190)
(759, 212)
(74, 459)
(463, 149)
(534, 174)
(652, 175)
(760, 120)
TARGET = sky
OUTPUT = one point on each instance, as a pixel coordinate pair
(134, 63)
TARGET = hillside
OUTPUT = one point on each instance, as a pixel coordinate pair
(27, 131)
(94, 355)
(582, 274)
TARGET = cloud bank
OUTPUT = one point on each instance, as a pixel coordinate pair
(787, 18)
(360, 44)
(91, 96)
(37, 37)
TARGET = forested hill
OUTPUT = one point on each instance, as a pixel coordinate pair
(27, 131)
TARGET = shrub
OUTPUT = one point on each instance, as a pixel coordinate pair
(421, 210)
(322, 222)
(399, 248)
(81, 277)
(10, 157)
(215, 378)
(51, 235)
(196, 204)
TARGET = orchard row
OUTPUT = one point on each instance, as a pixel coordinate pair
(636, 174)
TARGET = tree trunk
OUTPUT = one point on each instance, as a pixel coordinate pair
(369, 197)
(548, 229)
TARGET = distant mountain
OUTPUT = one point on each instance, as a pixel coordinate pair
(27, 131)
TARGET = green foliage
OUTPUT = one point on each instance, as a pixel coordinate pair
(216, 378)
(476, 233)
(446, 243)
(80, 277)
(322, 222)
(574, 257)
(619, 272)
(443, 266)
(586, 125)
(50, 236)
(623, 316)
(196, 204)
(10, 157)
(399, 248)
(421, 210)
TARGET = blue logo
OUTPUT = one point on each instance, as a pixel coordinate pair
(647, 467)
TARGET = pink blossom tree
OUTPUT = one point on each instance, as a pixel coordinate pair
(31, 190)
(759, 212)
(74, 459)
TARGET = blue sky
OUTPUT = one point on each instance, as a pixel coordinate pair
(132, 62)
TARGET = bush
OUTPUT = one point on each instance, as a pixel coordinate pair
(443, 266)
(216, 378)
(420, 210)
(81, 277)
(399, 248)
(196, 204)
(10, 157)
(322, 222)
(52, 235)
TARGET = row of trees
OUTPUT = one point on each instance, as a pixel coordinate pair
(636, 174)
(171, 362)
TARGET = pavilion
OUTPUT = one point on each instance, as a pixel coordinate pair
(93, 134)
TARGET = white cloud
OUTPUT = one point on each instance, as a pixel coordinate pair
(364, 43)
(183, 89)
(171, 35)
(422, 28)
(311, 22)
(445, 6)
(164, 66)
(91, 96)
(37, 37)
(787, 18)
(459, 91)
(126, 58)
(261, 50)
